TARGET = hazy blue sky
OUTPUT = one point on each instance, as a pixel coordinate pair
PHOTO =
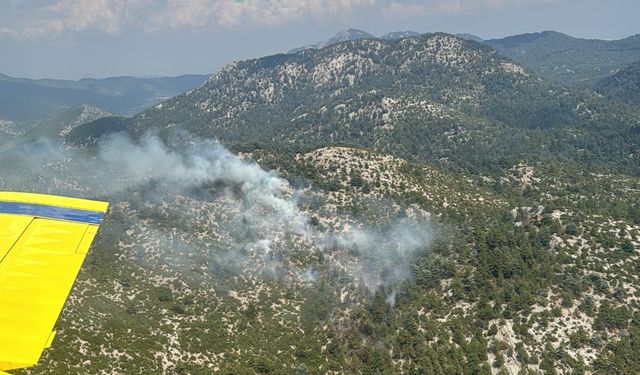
(99, 38)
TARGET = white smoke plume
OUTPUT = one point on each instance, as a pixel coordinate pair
(260, 219)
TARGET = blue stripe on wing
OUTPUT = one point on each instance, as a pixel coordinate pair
(52, 212)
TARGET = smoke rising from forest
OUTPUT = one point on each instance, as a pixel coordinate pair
(263, 219)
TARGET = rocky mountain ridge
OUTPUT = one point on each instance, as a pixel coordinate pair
(438, 88)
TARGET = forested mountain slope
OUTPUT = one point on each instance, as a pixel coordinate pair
(623, 86)
(569, 60)
(64, 122)
(433, 97)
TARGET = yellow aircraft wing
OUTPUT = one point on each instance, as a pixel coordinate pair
(43, 242)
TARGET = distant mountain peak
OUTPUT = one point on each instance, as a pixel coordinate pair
(399, 35)
(276, 81)
(350, 34)
(470, 37)
(62, 123)
(88, 113)
(342, 36)
(356, 34)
